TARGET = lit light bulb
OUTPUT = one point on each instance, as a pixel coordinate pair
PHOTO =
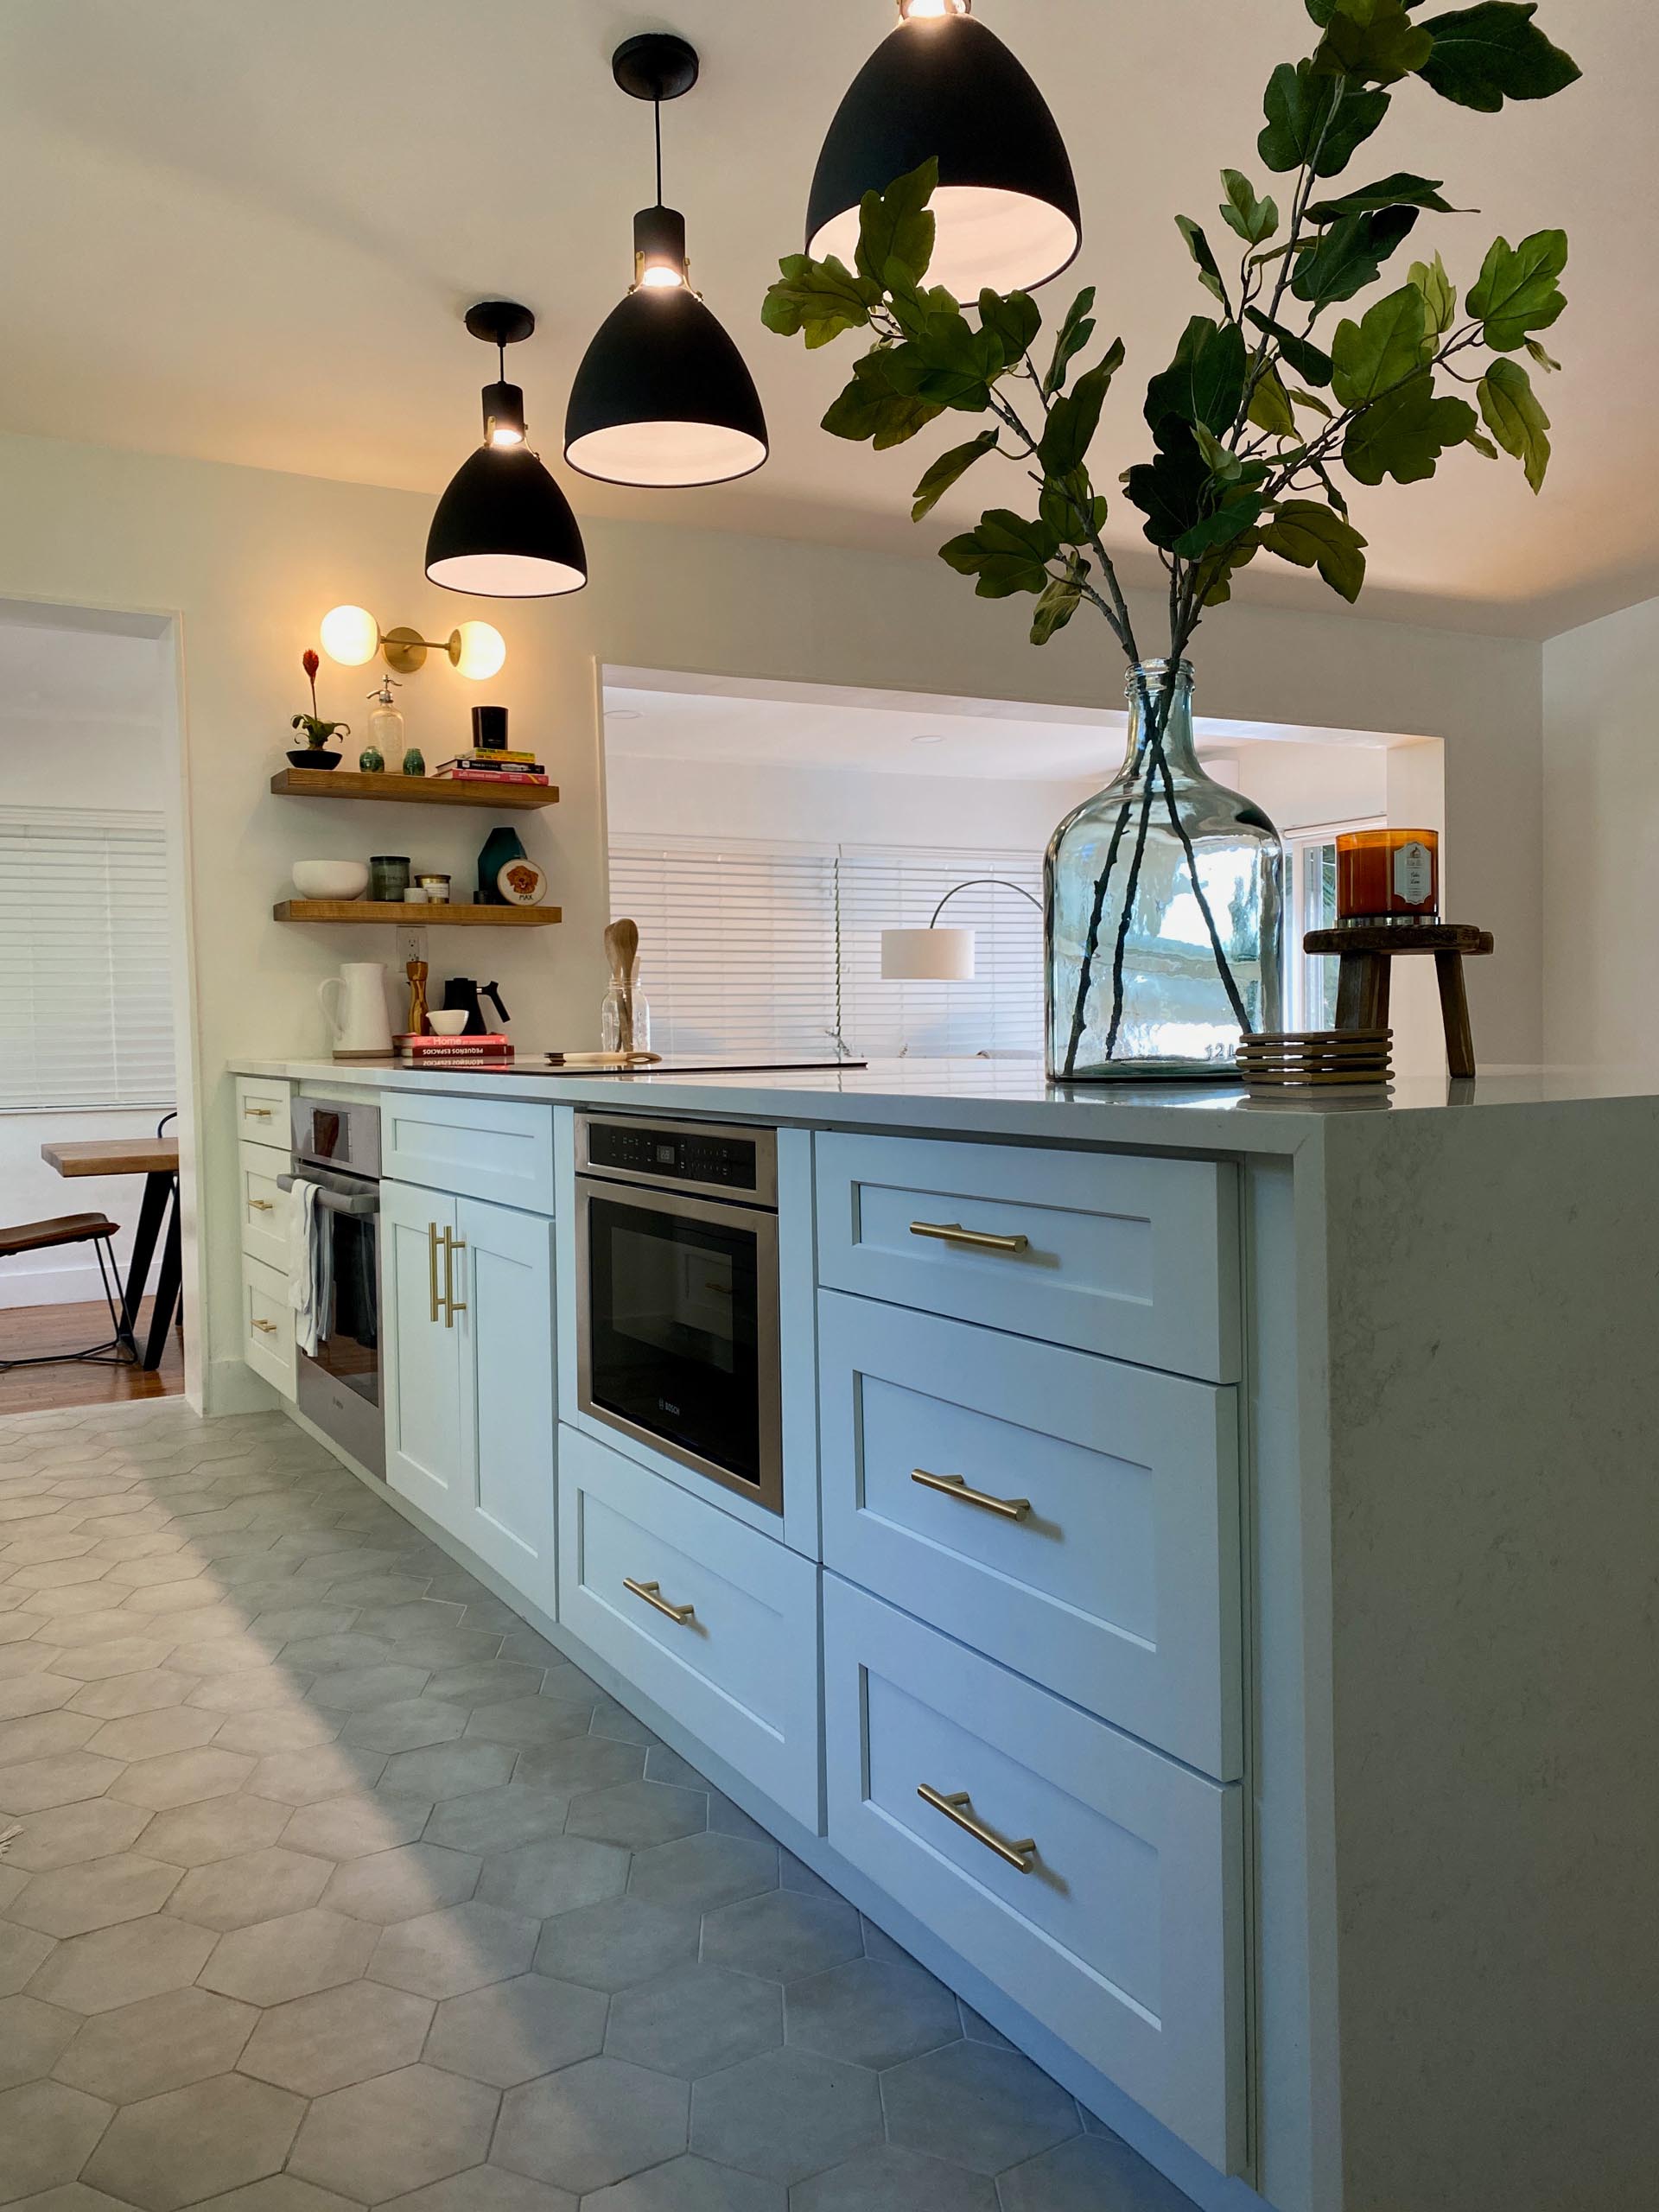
(921, 11)
(658, 276)
(483, 651)
(350, 635)
(503, 434)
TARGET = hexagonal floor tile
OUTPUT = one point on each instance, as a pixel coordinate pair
(527, 1720)
(445, 1953)
(555, 1875)
(409, 1724)
(253, 1886)
(397, 2133)
(704, 1872)
(695, 2021)
(36, 1785)
(339, 2037)
(35, 1692)
(485, 2189)
(592, 2124)
(150, 1735)
(220, 1828)
(255, 1689)
(274, 1728)
(450, 1770)
(515, 2031)
(358, 1824)
(290, 1957)
(33, 2037)
(177, 2148)
(74, 1900)
(354, 1689)
(96, 1827)
(875, 2014)
(41, 1735)
(783, 1935)
(497, 1820)
(151, 1690)
(22, 1953)
(115, 1655)
(617, 1944)
(639, 1814)
(183, 1778)
(47, 2133)
(885, 2180)
(786, 2115)
(489, 1682)
(402, 1883)
(576, 1762)
(976, 2106)
(322, 1771)
(277, 2193)
(159, 2044)
(692, 2185)
(118, 1966)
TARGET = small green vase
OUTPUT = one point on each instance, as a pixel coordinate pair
(371, 761)
(414, 761)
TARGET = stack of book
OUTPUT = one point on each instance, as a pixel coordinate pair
(443, 1052)
(487, 764)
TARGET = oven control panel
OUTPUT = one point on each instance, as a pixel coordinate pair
(693, 1156)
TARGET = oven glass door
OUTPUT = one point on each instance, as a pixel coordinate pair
(680, 1330)
(349, 1347)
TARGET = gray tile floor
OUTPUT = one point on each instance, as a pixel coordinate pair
(334, 1885)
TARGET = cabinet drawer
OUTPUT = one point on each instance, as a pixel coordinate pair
(1136, 1258)
(1119, 1584)
(741, 1673)
(264, 1208)
(268, 1324)
(262, 1111)
(1124, 1934)
(477, 1147)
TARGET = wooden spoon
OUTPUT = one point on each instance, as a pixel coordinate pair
(622, 950)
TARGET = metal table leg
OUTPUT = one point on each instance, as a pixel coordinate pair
(171, 1277)
(152, 1214)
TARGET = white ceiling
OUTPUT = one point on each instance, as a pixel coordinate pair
(247, 232)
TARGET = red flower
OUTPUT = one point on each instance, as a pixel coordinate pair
(309, 663)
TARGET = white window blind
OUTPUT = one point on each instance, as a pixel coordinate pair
(737, 943)
(752, 946)
(86, 992)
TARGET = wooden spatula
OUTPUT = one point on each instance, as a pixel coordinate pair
(622, 950)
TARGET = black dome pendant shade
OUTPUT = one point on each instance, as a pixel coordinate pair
(944, 86)
(663, 397)
(503, 529)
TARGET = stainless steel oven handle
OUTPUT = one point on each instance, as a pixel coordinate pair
(359, 1208)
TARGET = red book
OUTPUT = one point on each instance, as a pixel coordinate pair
(490, 776)
(453, 1048)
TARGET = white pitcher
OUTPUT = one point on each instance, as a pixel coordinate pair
(357, 1016)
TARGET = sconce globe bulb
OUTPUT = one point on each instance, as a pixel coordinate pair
(350, 635)
(483, 651)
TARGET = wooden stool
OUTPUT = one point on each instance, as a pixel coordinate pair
(1365, 950)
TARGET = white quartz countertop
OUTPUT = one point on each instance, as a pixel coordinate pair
(992, 1098)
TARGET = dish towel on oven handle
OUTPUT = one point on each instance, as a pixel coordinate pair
(310, 1265)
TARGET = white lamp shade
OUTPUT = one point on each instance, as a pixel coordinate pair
(350, 635)
(943, 955)
(483, 651)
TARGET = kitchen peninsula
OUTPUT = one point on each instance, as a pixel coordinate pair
(1206, 1610)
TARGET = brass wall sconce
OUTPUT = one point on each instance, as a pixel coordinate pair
(351, 636)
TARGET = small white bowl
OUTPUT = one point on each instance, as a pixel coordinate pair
(447, 1025)
(330, 879)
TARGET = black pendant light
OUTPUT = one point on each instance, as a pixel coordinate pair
(941, 83)
(504, 529)
(663, 397)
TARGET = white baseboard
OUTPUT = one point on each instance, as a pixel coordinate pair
(66, 1282)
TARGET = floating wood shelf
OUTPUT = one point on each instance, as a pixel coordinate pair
(392, 913)
(417, 790)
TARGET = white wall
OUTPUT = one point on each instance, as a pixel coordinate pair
(249, 560)
(1601, 793)
(84, 722)
(1300, 786)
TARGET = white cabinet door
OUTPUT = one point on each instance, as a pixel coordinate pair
(503, 1285)
(421, 1356)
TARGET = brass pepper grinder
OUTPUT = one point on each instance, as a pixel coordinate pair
(416, 971)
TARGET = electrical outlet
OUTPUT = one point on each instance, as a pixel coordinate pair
(411, 945)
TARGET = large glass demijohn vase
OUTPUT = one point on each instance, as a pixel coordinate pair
(1165, 925)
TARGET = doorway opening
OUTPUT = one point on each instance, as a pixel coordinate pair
(96, 1105)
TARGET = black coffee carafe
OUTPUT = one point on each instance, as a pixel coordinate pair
(461, 995)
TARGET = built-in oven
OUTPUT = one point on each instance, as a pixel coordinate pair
(336, 1146)
(676, 1286)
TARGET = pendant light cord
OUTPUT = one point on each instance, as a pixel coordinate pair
(656, 119)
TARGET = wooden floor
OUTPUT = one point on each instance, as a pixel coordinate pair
(26, 1331)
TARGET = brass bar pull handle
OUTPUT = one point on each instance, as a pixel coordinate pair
(432, 1269)
(260, 1206)
(957, 1805)
(452, 1305)
(266, 1328)
(257, 1114)
(652, 1594)
(1007, 1509)
(978, 1240)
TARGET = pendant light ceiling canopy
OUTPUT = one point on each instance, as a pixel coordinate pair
(503, 529)
(942, 84)
(663, 397)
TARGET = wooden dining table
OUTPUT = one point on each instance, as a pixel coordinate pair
(156, 1159)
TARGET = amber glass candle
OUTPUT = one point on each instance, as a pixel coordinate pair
(1387, 875)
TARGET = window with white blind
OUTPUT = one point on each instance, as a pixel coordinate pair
(752, 946)
(85, 990)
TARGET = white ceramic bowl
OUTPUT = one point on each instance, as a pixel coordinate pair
(447, 1025)
(330, 879)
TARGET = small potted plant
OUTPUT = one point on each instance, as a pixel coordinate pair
(316, 752)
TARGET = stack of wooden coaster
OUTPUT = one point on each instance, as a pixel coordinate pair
(1304, 1059)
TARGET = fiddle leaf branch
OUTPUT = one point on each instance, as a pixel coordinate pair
(1274, 401)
